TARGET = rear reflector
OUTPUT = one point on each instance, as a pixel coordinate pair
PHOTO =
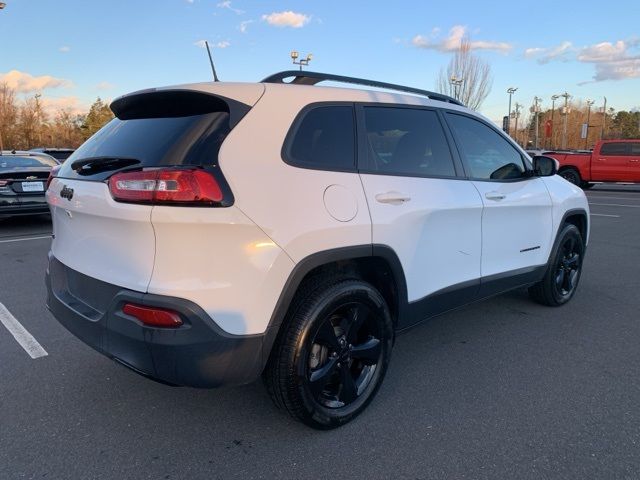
(153, 317)
(166, 186)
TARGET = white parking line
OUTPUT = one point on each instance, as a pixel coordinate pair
(606, 197)
(24, 338)
(614, 205)
(604, 215)
(24, 239)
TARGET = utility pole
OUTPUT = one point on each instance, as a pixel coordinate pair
(517, 108)
(510, 91)
(553, 110)
(535, 109)
(586, 138)
(565, 112)
(604, 118)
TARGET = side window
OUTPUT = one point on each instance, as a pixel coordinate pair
(325, 139)
(635, 149)
(406, 141)
(487, 154)
(614, 149)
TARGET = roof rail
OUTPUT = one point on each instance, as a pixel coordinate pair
(311, 78)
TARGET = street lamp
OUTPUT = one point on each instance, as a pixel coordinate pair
(535, 109)
(510, 91)
(302, 62)
(586, 137)
(2, 5)
(565, 112)
(456, 82)
(553, 111)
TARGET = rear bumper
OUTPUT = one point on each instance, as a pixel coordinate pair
(197, 354)
(10, 206)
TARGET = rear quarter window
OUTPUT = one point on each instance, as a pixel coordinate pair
(323, 138)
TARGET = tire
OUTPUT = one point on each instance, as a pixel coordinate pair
(563, 272)
(332, 354)
(587, 185)
(571, 175)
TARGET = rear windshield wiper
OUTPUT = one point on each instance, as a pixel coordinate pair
(90, 166)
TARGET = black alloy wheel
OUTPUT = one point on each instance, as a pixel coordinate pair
(568, 266)
(332, 354)
(345, 351)
(561, 279)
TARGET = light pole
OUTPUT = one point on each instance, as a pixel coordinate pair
(553, 111)
(604, 118)
(510, 91)
(303, 61)
(456, 82)
(2, 5)
(535, 109)
(565, 112)
(586, 138)
(516, 115)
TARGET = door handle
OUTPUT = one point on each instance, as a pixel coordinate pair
(393, 198)
(634, 160)
(494, 196)
(602, 159)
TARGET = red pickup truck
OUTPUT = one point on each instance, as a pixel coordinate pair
(610, 161)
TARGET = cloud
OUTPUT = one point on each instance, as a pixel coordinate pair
(221, 44)
(65, 49)
(23, 82)
(546, 55)
(51, 105)
(105, 86)
(287, 19)
(452, 42)
(244, 26)
(189, 1)
(227, 4)
(612, 61)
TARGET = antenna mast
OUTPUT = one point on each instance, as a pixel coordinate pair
(213, 68)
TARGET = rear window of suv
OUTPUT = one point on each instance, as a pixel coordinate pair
(189, 140)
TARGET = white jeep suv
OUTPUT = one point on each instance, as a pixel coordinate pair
(216, 232)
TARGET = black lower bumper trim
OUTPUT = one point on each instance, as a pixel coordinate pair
(197, 354)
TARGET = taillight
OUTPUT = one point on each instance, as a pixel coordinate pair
(52, 174)
(166, 186)
(152, 316)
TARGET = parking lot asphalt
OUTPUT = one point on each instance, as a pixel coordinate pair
(504, 388)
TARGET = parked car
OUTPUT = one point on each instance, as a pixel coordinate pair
(610, 161)
(23, 179)
(216, 232)
(60, 154)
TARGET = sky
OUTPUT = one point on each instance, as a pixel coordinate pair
(73, 51)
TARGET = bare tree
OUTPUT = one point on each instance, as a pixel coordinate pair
(473, 77)
(8, 116)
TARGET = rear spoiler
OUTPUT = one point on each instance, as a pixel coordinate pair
(155, 103)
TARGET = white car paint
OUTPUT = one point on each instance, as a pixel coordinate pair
(234, 262)
(99, 237)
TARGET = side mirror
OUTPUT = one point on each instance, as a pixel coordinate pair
(545, 166)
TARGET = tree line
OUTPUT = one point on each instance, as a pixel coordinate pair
(25, 124)
(611, 124)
